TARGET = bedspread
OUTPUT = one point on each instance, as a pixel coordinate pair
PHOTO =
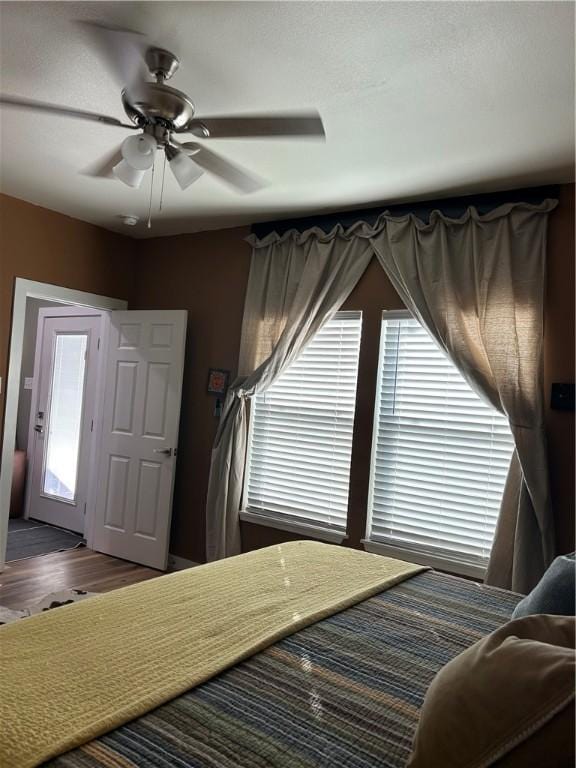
(343, 693)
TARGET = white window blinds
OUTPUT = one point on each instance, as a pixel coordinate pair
(440, 453)
(301, 432)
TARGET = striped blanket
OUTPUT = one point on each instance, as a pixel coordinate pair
(343, 693)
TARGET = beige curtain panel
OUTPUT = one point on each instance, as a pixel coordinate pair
(294, 287)
(476, 283)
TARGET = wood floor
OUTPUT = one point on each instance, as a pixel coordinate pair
(23, 582)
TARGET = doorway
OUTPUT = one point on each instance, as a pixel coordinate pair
(102, 437)
(19, 390)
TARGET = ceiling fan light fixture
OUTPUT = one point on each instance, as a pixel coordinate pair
(184, 169)
(132, 177)
(138, 151)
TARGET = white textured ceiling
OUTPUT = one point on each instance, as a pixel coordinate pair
(419, 99)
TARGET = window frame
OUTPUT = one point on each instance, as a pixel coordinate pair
(421, 557)
(270, 520)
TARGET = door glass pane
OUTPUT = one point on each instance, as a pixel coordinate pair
(65, 416)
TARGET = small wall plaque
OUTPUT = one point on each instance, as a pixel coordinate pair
(218, 381)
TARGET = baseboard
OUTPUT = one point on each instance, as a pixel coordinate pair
(176, 563)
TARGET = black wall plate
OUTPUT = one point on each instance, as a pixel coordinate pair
(562, 397)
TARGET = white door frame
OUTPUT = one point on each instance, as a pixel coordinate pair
(24, 289)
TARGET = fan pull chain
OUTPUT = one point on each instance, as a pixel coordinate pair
(149, 225)
(162, 187)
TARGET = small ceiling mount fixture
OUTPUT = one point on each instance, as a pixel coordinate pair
(161, 113)
(161, 63)
(128, 219)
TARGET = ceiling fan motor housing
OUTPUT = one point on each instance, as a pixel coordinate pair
(157, 103)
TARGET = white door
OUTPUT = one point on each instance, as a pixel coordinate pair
(137, 457)
(61, 417)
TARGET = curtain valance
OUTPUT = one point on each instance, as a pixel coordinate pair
(366, 230)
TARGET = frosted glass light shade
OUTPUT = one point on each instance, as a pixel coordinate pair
(138, 151)
(132, 177)
(185, 170)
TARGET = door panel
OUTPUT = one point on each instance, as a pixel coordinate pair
(161, 335)
(148, 495)
(117, 495)
(141, 412)
(62, 414)
(124, 398)
(129, 336)
(157, 379)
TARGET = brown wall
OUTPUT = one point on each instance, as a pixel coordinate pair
(206, 274)
(559, 363)
(38, 244)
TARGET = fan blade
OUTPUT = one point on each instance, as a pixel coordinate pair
(57, 109)
(121, 51)
(102, 168)
(298, 124)
(231, 174)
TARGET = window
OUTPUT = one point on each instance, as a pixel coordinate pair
(62, 444)
(440, 453)
(301, 435)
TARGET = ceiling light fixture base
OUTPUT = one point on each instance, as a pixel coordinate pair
(161, 63)
(128, 219)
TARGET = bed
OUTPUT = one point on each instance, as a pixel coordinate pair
(342, 693)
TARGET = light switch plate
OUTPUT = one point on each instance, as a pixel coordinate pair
(28, 382)
(562, 396)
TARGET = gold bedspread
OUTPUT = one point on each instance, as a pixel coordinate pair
(72, 674)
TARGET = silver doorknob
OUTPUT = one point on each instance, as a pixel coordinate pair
(165, 451)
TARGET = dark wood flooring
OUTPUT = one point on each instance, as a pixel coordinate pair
(23, 582)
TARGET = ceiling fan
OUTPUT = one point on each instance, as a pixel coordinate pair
(161, 113)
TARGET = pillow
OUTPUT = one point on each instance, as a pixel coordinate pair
(554, 593)
(508, 701)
